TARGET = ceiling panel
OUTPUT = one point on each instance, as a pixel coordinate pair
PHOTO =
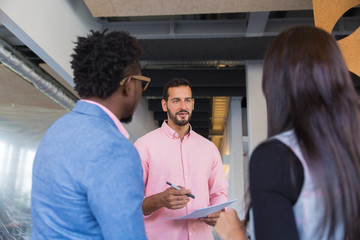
(246, 48)
(111, 8)
(15, 90)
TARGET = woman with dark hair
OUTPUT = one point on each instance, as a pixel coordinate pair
(305, 178)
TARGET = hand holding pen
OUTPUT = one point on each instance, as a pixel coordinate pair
(174, 197)
(177, 188)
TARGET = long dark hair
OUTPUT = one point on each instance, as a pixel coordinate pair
(308, 88)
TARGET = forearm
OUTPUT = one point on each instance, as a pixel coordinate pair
(218, 198)
(218, 184)
(151, 204)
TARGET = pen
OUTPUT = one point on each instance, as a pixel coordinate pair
(177, 188)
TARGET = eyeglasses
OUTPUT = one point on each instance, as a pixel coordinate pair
(144, 80)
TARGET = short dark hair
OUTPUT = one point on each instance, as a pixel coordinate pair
(175, 82)
(101, 60)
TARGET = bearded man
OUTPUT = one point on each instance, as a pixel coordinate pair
(176, 154)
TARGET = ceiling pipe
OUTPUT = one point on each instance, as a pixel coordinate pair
(36, 76)
(192, 64)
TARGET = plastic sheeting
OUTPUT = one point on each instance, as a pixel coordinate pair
(21, 130)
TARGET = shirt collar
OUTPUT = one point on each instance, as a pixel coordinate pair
(112, 116)
(171, 132)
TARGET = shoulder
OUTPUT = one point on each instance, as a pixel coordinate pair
(204, 147)
(149, 138)
(274, 167)
(200, 139)
(272, 152)
(84, 128)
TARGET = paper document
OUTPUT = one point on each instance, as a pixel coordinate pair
(203, 212)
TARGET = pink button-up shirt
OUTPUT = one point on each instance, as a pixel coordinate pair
(195, 163)
(112, 116)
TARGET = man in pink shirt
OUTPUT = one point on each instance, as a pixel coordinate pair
(175, 153)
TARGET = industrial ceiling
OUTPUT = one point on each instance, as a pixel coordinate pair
(206, 42)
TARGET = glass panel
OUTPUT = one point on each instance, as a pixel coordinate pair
(21, 129)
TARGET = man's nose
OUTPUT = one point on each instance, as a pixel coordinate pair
(182, 105)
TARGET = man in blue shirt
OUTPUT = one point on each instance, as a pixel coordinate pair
(87, 176)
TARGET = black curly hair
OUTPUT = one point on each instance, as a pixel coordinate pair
(101, 60)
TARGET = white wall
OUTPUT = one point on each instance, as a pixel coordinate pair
(143, 121)
(49, 28)
(256, 104)
(237, 174)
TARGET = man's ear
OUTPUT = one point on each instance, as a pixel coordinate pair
(163, 104)
(127, 86)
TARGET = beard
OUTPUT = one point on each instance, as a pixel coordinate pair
(130, 109)
(126, 120)
(182, 121)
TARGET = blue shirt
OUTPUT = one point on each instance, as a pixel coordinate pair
(87, 180)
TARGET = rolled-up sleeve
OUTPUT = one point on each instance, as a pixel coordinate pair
(218, 185)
